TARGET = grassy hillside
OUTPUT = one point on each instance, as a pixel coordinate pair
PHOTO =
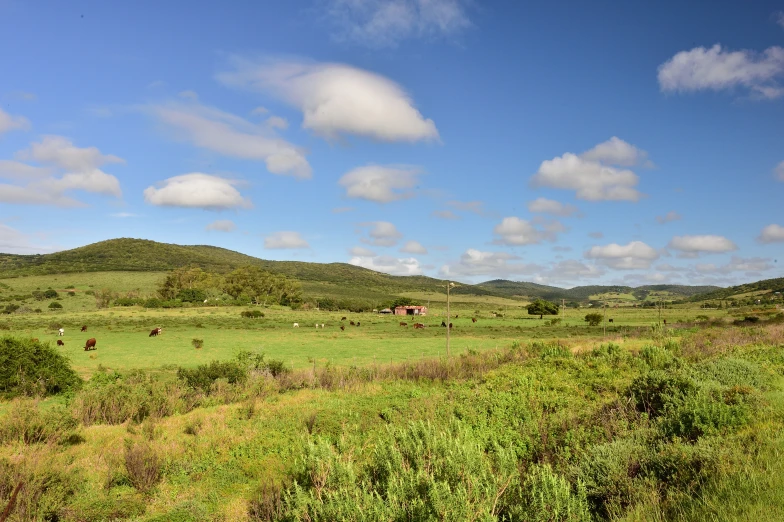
(764, 286)
(583, 293)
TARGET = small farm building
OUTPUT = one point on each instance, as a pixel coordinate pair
(411, 310)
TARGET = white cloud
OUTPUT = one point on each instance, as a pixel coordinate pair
(635, 255)
(222, 225)
(736, 264)
(493, 264)
(337, 99)
(22, 171)
(232, 136)
(668, 217)
(389, 265)
(13, 241)
(414, 247)
(276, 122)
(615, 151)
(196, 190)
(9, 123)
(79, 168)
(549, 206)
(188, 95)
(382, 233)
(359, 251)
(692, 246)
(595, 175)
(379, 183)
(717, 69)
(285, 239)
(385, 23)
(514, 231)
(772, 234)
(779, 171)
(445, 214)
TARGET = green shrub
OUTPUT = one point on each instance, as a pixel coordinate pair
(657, 358)
(10, 308)
(705, 413)
(594, 319)
(50, 294)
(252, 314)
(549, 497)
(733, 372)
(611, 474)
(143, 466)
(30, 368)
(26, 422)
(55, 306)
(203, 376)
(656, 389)
(197, 343)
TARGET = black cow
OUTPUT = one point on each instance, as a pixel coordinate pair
(60, 342)
(443, 324)
(609, 320)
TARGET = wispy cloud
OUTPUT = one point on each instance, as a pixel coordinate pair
(380, 183)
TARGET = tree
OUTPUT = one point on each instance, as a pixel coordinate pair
(54, 305)
(594, 319)
(541, 307)
(50, 294)
(186, 278)
(103, 297)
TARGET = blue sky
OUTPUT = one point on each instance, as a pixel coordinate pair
(563, 143)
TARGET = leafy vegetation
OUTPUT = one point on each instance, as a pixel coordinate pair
(540, 308)
(28, 367)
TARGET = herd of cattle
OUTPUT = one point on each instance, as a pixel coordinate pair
(91, 342)
(402, 323)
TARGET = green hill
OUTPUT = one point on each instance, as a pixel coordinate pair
(583, 293)
(150, 256)
(765, 286)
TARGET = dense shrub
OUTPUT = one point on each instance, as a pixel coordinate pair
(50, 294)
(55, 306)
(192, 295)
(654, 390)
(31, 368)
(733, 372)
(202, 377)
(252, 314)
(47, 490)
(611, 474)
(594, 319)
(142, 465)
(27, 423)
(113, 398)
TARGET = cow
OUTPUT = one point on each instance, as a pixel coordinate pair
(351, 323)
(419, 325)
(90, 344)
(443, 324)
(473, 319)
(342, 328)
(456, 316)
(296, 325)
(403, 324)
(342, 318)
(61, 332)
(609, 320)
(357, 323)
(316, 326)
(84, 328)
(154, 332)
(322, 325)
(450, 325)
(665, 322)
(60, 343)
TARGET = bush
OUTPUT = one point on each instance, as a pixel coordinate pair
(10, 308)
(654, 390)
(197, 343)
(26, 422)
(594, 319)
(55, 306)
(733, 372)
(153, 302)
(192, 295)
(202, 377)
(30, 368)
(50, 294)
(549, 498)
(252, 314)
(143, 466)
(610, 473)
(71, 293)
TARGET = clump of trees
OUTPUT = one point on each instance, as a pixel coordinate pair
(594, 319)
(541, 307)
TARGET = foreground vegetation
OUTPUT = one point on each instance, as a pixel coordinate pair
(655, 426)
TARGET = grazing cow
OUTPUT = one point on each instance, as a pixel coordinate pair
(456, 316)
(443, 324)
(90, 344)
(60, 343)
(322, 325)
(357, 323)
(351, 323)
(155, 331)
(342, 318)
(450, 325)
(316, 326)
(84, 328)
(473, 319)
(342, 327)
(665, 321)
(403, 324)
(609, 320)
(60, 332)
(296, 325)
(419, 325)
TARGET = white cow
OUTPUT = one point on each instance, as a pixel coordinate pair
(60, 332)
(322, 325)
(296, 325)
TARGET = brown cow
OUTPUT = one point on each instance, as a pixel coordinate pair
(342, 327)
(84, 328)
(154, 332)
(342, 318)
(419, 325)
(90, 344)
(60, 343)
(450, 325)
(473, 319)
(403, 324)
(351, 323)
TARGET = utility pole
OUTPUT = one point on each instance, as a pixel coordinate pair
(563, 309)
(604, 319)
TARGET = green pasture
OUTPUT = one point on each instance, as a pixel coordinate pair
(123, 340)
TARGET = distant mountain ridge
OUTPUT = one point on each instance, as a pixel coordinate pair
(126, 254)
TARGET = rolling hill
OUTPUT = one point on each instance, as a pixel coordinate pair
(766, 285)
(127, 254)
